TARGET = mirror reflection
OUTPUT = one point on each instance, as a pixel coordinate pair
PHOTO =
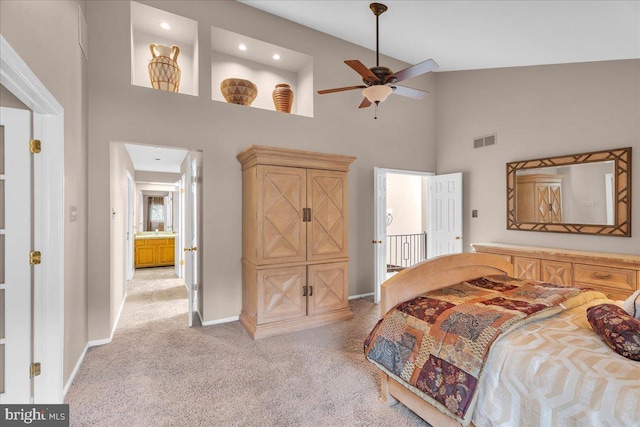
(157, 211)
(573, 194)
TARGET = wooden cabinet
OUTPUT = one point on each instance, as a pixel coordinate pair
(294, 239)
(539, 198)
(154, 252)
(616, 275)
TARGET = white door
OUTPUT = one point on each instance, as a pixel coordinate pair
(380, 233)
(130, 251)
(15, 246)
(191, 233)
(177, 230)
(444, 234)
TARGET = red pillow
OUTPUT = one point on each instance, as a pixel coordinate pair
(617, 328)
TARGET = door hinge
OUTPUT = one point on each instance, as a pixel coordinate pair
(35, 146)
(181, 262)
(35, 257)
(34, 370)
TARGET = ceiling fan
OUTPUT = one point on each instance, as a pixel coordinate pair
(380, 82)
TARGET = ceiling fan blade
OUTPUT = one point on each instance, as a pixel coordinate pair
(362, 69)
(414, 70)
(365, 103)
(409, 92)
(340, 89)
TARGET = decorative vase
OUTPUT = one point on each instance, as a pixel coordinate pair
(164, 71)
(282, 98)
(238, 91)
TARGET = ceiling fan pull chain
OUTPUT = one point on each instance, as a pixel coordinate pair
(375, 116)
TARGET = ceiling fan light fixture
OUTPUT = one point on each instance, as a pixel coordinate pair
(377, 93)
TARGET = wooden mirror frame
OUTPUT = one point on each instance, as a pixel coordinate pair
(622, 181)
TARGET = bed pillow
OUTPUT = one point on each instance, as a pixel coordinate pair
(617, 329)
(632, 305)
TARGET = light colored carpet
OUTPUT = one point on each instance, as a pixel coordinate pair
(157, 371)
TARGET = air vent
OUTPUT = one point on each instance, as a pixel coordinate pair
(485, 141)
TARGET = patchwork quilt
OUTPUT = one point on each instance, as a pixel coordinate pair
(437, 344)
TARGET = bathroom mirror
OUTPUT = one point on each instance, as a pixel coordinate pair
(157, 209)
(587, 193)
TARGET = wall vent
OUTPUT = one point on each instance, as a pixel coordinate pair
(485, 141)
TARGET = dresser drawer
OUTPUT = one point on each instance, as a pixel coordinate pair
(620, 280)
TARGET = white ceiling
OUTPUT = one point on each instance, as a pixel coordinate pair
(467, 35)
(155, 159)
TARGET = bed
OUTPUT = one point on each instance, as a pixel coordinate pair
(548, 367)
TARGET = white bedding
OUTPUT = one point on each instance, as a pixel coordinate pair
(564, 377)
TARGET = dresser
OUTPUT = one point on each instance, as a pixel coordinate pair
(616, 275)
(294, 239)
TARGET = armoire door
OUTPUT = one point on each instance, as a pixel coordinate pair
(281, 293)
(282, 194)
(327, 233)
(328, 287)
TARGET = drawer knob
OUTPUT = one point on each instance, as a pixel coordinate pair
(602, 275)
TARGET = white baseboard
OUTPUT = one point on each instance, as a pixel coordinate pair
(218, 321)
(67, 386)
(104, 341)
(370, 294)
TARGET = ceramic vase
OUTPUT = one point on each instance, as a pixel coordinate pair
(238, 91)
(164, 71)
(282, 98)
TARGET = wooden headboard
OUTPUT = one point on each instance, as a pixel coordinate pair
(438, 273)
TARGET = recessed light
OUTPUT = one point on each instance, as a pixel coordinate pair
(165, 26)
(158, 159)
(242, 47)
(276, 56)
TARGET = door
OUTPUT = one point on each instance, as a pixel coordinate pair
(15, 245)
(177, 229)
(380, 232)
(444, 235)
(282, 236)
(328, 213)
(190, 237)
(130, 266)
(328, 287)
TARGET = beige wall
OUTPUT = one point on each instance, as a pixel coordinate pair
(7, 99)
(145, 176)
(404, 196)
(402, 137)
(45, 35)
(537, 112)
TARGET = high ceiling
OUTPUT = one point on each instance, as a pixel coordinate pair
(467, 35)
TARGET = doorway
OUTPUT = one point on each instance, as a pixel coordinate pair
(164, 214)
(47, 302)
(417, 216)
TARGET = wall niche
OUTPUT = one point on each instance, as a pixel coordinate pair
(234, 55)
(151, 25)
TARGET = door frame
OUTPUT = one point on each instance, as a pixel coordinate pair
(379, 222)
(48, 211)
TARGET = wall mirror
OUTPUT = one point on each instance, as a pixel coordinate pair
(157, 210)
(587, 193)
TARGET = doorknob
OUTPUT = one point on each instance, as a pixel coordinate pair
(376, 241)
(194, 249)
(187, 249)
(457, 237)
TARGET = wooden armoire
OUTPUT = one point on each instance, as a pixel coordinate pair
(539, 198)
(294, 239)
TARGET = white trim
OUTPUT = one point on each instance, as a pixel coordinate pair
(104, 341)
(219, 321)
(370, 294)
(67, 386)
(48, 210)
